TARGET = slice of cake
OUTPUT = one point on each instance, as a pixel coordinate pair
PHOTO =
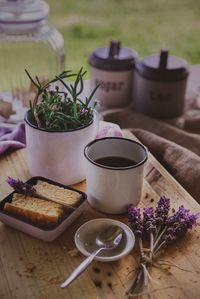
(57, 194)
(34, 210)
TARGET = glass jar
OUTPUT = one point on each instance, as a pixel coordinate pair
(27, 42)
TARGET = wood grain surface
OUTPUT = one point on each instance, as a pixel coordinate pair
(33, 269)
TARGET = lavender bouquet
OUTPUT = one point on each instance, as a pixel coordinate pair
(160, 229)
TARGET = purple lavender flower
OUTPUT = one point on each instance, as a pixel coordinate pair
(162, 210)
(84, 111)
(20, 186)
(181, 214)
(192, 220)
(149, 222)
(135, 220)
(179, 223)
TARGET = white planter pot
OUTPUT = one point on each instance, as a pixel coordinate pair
(59, 155)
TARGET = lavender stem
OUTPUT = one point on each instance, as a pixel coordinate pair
(146, 278)
(159, 237)
(159, 247)
(151, 245)
(137, 283)
(157, 232)
(141, 247)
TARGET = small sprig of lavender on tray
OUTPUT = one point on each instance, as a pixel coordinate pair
(62, 110)
(160, 229)
(29, 190)
(21, 187)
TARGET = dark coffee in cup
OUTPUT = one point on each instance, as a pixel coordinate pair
(115, 161)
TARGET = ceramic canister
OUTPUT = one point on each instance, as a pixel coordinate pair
(112, 68)
(160, 84)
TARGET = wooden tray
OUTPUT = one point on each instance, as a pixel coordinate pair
(33, 269)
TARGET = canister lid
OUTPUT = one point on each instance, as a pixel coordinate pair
(162, 67)
(113, 58)
(22, 15)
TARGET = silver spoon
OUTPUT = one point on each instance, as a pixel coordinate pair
(109, 238)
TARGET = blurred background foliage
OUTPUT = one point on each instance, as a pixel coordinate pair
(144, 25)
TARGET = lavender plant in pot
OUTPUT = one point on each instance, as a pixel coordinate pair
(59, 124)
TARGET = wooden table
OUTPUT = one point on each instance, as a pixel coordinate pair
(33, 269)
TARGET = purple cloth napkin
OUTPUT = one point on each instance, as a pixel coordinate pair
(108, 129)
(15, 138)
(12, 138)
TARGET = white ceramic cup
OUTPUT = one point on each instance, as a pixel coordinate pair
(112, 189)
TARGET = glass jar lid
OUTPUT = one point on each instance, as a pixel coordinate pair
(22, 14)
(162, 67)
(113, 58)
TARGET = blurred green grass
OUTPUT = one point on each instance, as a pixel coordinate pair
(143, 25)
